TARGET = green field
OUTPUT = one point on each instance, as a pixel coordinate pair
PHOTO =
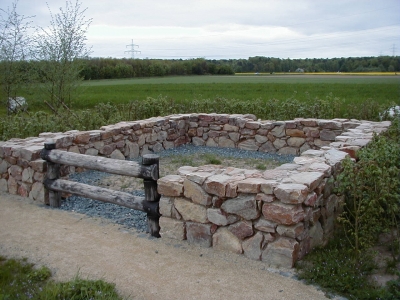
(183, 89)
(269, 97)
(383, 89)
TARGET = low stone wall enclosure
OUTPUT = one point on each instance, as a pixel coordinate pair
(276, 216)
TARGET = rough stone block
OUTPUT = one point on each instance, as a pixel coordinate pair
(15, 172)
(250, 185)
(170, 185)
(295, 133)
(244, 206)
(3, 166)
(165, 206)
(279, 131)
(334, 156)
(265, 225)
(219, 217)
(267, 147)
(31, 153)
(265, 198)
(249, 144)
(196, 193)
(311, 199)
(310, 179)
(171, 228)
(267, 187)
(216, 184)
(198, 176)
(281, 253)
(281, 213)
(191, 211)
(296, 142)
(27, 175)
(12, 185)
(225, 142)
(293, 231)
(242, 229)
(316, 234)
(291, 193)
(223, 239)
(252, 246)
(327, 135)
(3, 185)
(199, 234)
(92, 152)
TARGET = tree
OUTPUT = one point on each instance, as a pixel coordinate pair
(62, 51)
(14, 49)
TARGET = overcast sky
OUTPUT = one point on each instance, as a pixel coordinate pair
(218, 29)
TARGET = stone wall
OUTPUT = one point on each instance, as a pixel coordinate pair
(276, 216)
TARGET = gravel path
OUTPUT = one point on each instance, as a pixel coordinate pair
(142, 268)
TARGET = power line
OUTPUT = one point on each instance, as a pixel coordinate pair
(132, 50)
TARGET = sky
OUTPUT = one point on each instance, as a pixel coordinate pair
(232, 29)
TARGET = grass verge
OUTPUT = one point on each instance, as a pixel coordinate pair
(21, 280)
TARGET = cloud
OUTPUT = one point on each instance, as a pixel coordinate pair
(235, 28)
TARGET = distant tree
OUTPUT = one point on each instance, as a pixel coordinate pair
(61, 50)
(14, 49)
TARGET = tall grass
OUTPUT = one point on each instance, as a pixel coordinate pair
(269, 98)
(31, 124)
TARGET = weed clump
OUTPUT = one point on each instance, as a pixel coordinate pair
(21, 280)
(371, 187)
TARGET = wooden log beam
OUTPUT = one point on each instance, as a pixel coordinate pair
(152, 196)
(102, 194)
(104, 164)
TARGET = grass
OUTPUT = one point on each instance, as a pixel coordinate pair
(344, 268)
(196, 160)
(22, 280)
(184, 89)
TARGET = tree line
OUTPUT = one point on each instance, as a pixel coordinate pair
(114, 68)
(350, 64)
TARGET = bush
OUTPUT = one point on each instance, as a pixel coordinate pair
(372, 199)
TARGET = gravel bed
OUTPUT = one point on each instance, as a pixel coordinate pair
(131, 218)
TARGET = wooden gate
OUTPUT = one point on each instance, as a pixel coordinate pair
(148, 170)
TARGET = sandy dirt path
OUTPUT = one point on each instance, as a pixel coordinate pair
(141, 267)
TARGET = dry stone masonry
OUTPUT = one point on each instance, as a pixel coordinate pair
(276, 216)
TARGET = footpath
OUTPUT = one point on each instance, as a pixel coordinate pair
(141, 267)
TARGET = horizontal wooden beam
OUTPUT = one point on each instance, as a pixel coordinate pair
(104, 164)
(102, 194)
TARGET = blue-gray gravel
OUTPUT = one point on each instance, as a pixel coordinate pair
(131, 218)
